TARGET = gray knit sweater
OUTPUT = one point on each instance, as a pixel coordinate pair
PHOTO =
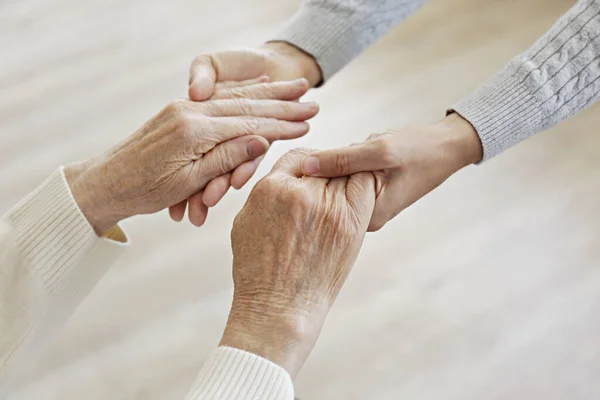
(553, 80)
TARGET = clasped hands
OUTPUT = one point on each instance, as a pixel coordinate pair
(296, 239)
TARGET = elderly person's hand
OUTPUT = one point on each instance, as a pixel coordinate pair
(242, 73)
(177, 153)
(408, 162)
(294, 244)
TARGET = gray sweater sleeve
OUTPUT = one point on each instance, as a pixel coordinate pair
(336, 31)
(556, 78)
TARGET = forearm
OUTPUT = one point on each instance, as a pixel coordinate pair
(334, 32)
(50, 258)
(556, 78)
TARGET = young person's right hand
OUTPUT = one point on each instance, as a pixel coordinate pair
(408, 162)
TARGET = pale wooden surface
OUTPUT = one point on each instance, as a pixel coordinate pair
(487, 289)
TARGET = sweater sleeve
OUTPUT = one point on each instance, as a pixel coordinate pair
(232, 374)
(556, 78)
(336, 31)
(50, 259)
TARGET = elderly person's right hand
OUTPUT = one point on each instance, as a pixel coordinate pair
(177, 153)
(294, 244)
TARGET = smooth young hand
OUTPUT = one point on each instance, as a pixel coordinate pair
(225, 70)
(407, 162)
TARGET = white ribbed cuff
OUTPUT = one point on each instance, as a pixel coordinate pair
(503, 111)
(326, 35)
(58, 242)
(232, 374)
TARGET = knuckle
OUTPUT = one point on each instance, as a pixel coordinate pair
(267, 187)
(387, 152)
(238, 93)
(270, 91)
(251, 126)
(176, 107)
(342, 163)
(224, 162)
(242, 106)
(288, 107)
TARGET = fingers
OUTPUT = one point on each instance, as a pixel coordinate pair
(360, 194)
(227, 128)
(198, 211)
(226, 66)
(288, 90)
(218, 187)
(177, 212)
(338, 185)
(227, 156)
(371, 155)
(230, 84)
(242, 174)
(290, 163)
(203, 75)
(215, 190)
(278, 109)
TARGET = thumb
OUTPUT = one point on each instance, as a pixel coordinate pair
(203, 76)
(346, 161)
(230, 65)
(227, 156)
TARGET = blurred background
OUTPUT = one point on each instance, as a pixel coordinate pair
(488, 288)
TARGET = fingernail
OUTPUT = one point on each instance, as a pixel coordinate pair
(255, 148)
(310, 165)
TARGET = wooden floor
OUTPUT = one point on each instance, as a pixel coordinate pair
(488, 288)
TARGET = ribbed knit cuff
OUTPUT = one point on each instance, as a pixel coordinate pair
(324, 34)
(232, 374)
(503, 111)
(57, 241)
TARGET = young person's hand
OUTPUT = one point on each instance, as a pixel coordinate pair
(407, 162)
(230, 70)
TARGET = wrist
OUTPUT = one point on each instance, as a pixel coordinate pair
(86, 190)
(281, 336)
(305, 63)
(461, 140)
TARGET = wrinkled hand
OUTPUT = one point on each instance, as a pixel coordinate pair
(177, 153)
(408, 162)
(294, 244)
(260, 88)
(237, 74)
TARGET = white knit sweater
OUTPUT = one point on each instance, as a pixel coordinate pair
(51, 258)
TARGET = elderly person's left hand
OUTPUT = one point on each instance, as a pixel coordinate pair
(294, 244)
(177, 153)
